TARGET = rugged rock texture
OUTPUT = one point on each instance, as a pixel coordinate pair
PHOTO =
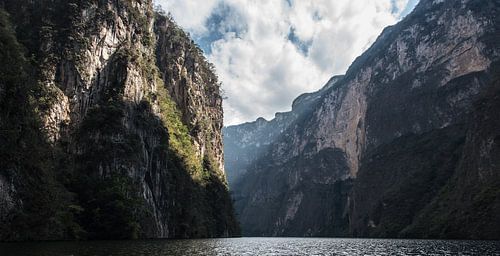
(182, 65)
(129, 116)
(469, 204)
(382, 145)
(245, 143)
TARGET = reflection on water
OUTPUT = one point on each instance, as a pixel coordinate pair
(253, 246)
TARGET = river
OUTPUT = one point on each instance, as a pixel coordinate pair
(253, 246)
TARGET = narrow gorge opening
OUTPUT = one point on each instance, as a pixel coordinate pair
(183, 119)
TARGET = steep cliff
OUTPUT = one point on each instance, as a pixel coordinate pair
(246, 143)
(127, 118)
(379, 147)
(470, 202)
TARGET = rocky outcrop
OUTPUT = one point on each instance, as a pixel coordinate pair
(246, 143)
(182, 65)
(469, 203)
(379, 145)
(132, 115)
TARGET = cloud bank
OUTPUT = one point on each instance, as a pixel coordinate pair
(267, 52)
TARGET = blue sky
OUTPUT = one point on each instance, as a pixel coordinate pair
(267, 52)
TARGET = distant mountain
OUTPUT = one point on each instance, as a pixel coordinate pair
(110, 125)
(405, 144)
(244, 143)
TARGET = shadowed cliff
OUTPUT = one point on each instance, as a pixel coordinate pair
(112, 120)
(390, 149)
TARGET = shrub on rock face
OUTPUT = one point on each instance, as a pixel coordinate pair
(124, 159)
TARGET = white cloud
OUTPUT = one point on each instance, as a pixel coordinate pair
(262, 66)
(191, 14)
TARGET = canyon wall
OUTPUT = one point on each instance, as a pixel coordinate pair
(127, 116)
(383, 147)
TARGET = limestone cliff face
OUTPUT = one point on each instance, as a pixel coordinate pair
(379, 144)
(472, 191)
(132, 116)
(246, 143)
(193, 85)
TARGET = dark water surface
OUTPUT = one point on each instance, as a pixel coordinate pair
(254, 246)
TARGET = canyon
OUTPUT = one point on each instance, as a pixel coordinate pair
(404, 144)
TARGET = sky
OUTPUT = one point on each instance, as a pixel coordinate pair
(268, 52)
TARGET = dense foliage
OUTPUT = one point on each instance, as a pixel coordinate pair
(26, 158)
(91, 182)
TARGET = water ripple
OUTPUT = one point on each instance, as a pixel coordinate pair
(254, 246)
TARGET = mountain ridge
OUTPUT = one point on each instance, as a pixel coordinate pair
(413, 87)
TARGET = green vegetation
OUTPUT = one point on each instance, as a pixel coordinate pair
(109, 200)
(178, 40)
(42, 211)
(469, 204)
(178, 54)
(89, 184)
(399, 179)
(179, 140)
(110, 207)
(96, 207)
(142, 22)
